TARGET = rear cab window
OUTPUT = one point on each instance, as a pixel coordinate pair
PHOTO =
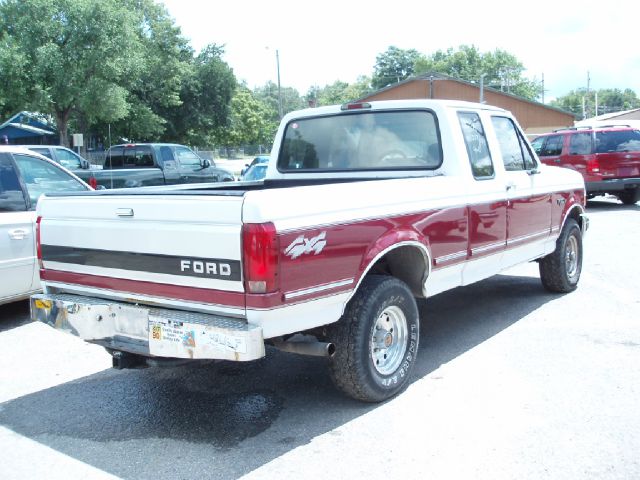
(129, 156)
(515, 152)
(371, 140)
(114, 158)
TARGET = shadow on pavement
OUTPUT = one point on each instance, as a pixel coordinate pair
(224, 420)
(602, 204)
(14, 315)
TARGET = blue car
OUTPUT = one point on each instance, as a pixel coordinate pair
(256, 172)
(260, 159)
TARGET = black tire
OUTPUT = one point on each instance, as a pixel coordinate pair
(560, 270)
(361, 368)
(629, 197)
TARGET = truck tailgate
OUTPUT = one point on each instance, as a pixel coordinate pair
(619, 164)
(140, 248)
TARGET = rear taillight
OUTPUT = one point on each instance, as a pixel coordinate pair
(593, 165)
(260, 257)
(38, 243)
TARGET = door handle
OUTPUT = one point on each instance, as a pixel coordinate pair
(18, 234)
(511, 186)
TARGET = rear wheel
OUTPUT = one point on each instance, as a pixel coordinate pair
(629, 197)
(376, 340)
(560, 270)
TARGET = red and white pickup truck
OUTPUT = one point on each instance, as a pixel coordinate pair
(365, 208)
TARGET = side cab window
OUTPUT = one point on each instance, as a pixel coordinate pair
(476, 142)
(552, 146)
(515, 152)
(537, 144)
(68, 159)
(187, 157)
(11, 195)
(580, 143)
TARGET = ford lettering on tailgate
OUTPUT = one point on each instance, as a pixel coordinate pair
(222, 269)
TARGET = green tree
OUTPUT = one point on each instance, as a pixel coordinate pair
(249, 121)
(291, 99)
(164, 60)
(64, 56)
(339, 92)
(499, 69)
(393, 66)
(583, 104)
(207, 89)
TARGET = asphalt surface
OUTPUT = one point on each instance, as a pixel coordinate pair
(511, 382)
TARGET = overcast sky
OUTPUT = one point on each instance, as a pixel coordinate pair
(321, 42)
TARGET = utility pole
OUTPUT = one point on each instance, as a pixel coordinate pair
(588, 86)
(542, 87)
(482, 87)
(279, 90)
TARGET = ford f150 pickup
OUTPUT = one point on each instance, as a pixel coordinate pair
(147, 164)
(365, 207)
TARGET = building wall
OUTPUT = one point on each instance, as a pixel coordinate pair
(534, 118)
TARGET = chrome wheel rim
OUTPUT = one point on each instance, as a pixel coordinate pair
(571, 257)
(389, 340)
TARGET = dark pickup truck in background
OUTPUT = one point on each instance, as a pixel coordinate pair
(147, 164)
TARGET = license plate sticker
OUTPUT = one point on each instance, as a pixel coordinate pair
(184, 340)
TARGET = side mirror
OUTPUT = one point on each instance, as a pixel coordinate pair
(206, 163)
(84, 164)
(101, 187)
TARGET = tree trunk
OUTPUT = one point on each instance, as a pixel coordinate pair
(62, 119)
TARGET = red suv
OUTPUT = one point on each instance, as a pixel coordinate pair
(608, 157)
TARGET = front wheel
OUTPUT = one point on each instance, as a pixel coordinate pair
(376, 340)
(560, 270)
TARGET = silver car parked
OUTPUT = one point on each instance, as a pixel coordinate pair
(24, 176)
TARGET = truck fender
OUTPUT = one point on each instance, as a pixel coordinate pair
(574, 209)
(396, 242)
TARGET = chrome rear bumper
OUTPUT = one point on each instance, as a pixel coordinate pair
(148, 331)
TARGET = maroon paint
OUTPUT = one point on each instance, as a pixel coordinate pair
(137, 287)
(487, 226)
(528, 215)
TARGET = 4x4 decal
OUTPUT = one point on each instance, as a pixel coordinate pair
(302, 245)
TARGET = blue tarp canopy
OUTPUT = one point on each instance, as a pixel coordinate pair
(25, 125)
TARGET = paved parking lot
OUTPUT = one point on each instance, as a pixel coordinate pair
(511, 383)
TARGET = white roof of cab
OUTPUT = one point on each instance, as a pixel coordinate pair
(395, 104)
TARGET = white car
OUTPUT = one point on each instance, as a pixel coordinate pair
(24, 176)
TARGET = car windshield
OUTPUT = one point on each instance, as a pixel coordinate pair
(375, 140)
